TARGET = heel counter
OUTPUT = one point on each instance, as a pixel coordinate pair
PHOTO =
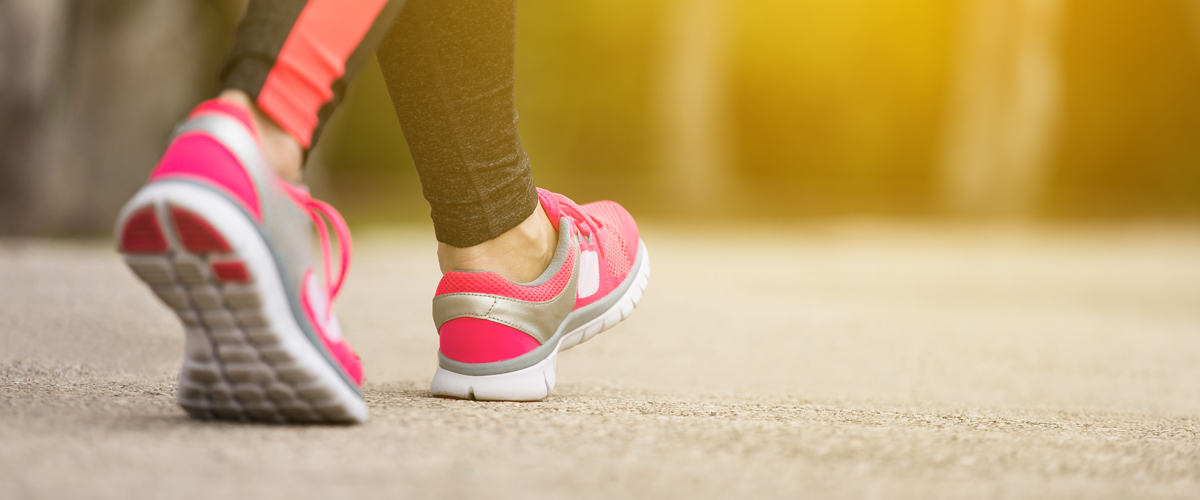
(228, 108)
(474, 340)
(200, 157)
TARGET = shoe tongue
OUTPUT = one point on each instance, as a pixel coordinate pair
(558, 206)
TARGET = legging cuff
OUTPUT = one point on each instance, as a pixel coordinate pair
(468, 224)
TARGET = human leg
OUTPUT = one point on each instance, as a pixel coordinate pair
(291, 62)
(226, 242)
(527, 273)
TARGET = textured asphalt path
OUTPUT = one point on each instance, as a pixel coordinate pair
(839, 360)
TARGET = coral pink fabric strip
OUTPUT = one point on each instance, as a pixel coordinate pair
(312, 58)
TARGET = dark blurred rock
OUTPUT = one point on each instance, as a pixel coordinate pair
(32, 46)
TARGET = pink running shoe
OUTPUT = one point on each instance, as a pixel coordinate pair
(226, 243)
(500, 340)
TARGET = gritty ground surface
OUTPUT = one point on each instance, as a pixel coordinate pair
(840, 360)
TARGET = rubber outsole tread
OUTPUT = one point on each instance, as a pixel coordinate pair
(236, 367)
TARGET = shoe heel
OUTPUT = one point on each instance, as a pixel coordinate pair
(527, 384)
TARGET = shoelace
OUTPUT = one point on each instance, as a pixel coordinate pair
(587, 223)
(319, 212)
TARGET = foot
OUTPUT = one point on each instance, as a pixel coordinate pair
(226, 243)
(282, 151)
(520, 254)
(500, 339)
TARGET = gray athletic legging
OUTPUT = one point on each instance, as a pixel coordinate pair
(449, 67)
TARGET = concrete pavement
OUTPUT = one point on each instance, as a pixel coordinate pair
(841, 360)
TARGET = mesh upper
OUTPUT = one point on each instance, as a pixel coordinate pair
(493, 284)
(616, 249)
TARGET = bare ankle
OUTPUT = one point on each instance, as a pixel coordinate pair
(283, 151)
(521, 254)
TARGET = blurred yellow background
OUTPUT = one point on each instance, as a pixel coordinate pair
(776, 109)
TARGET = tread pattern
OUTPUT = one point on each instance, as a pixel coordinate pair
(236, 364)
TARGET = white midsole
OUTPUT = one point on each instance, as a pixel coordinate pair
(536, 382)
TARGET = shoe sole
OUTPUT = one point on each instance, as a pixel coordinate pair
(536, 382)
(246, 357)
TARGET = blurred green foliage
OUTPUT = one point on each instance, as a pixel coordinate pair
(585, 74)
(834, 108)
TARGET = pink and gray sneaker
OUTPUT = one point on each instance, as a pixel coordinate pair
(227, 244)
(500, 340)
